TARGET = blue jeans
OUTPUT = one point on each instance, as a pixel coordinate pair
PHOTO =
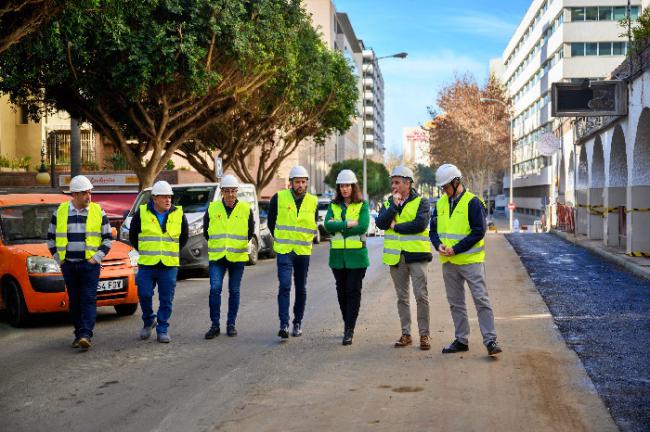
(165, 278)
(217, 272)
(299, 265)
(81, 279)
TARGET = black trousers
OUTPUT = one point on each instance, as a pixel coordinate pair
(348, 290)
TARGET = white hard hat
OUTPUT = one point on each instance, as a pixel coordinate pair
(446, 173)
(298, 171)
(402, 171)
(80, 184)
(229, 181)
(346, 176)
(161, 187)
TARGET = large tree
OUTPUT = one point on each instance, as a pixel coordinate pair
(310, 98)
(19, 18)
(378, 176)
(151, 75)
(469, 133)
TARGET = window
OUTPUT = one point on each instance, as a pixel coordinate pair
(605, 13)
(24, 115)
(605, 49)
(591, 14)
(619, 48)
(634, 12)
(591, 48)
(620, 13)
(577, 49)
(577, 14)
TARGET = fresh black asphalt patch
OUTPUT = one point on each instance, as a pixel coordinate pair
(603, 313)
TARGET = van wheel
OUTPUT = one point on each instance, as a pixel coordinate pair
(16, 308)
(253, 251)
(126, 309)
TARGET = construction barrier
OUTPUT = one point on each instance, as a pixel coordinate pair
(566, 218)
(638, 254)
(599, 210)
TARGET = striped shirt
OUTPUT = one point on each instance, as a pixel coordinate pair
(76, 249)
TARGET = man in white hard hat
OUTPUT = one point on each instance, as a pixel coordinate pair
(457, 231)
(407, 251)
(228, 226)
(79, 237)
(159, 230)
(292, 220)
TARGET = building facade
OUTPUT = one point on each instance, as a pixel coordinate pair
(415, 146)
(557, 41)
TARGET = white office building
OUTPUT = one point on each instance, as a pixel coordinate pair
(557, 40)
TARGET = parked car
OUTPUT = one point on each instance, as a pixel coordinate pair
(323, 204)
(195, 199)
(372, 226)
(30, 279)
(266, 238)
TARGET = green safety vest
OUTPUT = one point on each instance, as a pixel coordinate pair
(93, 229)
(228, 236)
(395, 243)
(295, 230)
(453, 229)
(155, 246)
(352, 213)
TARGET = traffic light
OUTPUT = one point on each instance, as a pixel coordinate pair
(589, 99)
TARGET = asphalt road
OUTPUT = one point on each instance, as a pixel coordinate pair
(254, 382)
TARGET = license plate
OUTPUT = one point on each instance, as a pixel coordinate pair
(110, 285)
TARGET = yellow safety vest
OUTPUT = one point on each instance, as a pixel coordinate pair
(352, 213)
(93, 229)
(295, 230)
(453, 229)
(395, 243)
(228, 236)
(155, 246)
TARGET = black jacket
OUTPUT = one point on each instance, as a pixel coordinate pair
(136, 227)
(476, 215)
(417, 225)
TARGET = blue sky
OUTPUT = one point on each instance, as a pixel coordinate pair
(442, 37)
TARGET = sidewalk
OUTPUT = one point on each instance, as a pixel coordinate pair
(639, 266)
(537, 384)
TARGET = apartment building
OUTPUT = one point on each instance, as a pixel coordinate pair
(415, 145)
(557, 40)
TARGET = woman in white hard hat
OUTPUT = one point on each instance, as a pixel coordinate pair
(159, 230)
(347, 220)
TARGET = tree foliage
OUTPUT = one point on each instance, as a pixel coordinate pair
(19, 18)
(471, 134)
(312, 96)
(378, 176)
(151, 75)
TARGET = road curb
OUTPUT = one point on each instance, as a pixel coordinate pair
(620, 261)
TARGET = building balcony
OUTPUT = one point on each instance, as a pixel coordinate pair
(368, 54)
(368, 82)
(369, 124)
(368, 139)
(368, 110)
(369, 96)
(368, 69)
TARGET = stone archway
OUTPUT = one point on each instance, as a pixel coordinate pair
(638, 217)
(615, 193)
(582, 198)
(596, 185)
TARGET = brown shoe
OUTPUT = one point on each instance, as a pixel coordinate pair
(405, 340)
(425, 343)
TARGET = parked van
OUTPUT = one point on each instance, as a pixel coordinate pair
(31, 281)
(195, 199)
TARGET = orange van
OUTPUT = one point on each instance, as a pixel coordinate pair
(31, 281)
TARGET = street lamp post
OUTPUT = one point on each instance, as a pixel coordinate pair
(400, 55)
(511, 201)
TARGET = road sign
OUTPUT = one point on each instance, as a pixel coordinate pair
(512, 206)
(218, 167)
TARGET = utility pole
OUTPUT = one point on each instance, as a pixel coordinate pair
(75, 147)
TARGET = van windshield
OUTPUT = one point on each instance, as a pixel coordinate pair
(26, 223)
(193, 199)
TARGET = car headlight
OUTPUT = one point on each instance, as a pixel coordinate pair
(196, 228)
(37, 264)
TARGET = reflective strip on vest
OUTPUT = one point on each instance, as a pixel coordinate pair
(93, 237)
(154, 246)
(352, 212)
(228, 235)
(453, 229)
(295, 230)
(396, 243)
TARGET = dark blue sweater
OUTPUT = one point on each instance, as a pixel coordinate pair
(476, 215)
